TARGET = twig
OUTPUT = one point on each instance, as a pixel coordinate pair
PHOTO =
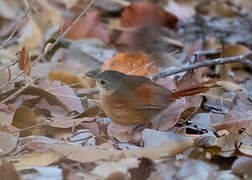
(206, 52)
(11, 81)
(15, 29)
(56, 41)
(242, 59)
(77, 19)
(16, 93)
(8, 65)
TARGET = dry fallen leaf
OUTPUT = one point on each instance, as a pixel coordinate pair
(37, 159)
(64, 93)
(70, 79)
(88, 154)
(25, 61)
(68, 122)
(142, 13)
(229, 51)
(8, 171)
(133, 64)
(8, 143)
(216, 8)
(24, 117)
(88, 26)
(242, 166)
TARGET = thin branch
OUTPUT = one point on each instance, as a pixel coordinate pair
(242, 59)
(16, 93)
(56, 41)
(12, 80)
(8, 65)
(15, 29)
(77, 19)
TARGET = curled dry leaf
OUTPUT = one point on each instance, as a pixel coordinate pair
(25, 61)
(146, 13)
(133, 64)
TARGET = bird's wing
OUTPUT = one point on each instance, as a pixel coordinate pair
(148, 96)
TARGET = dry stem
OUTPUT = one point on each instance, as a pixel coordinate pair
(15, 29)
(242, 59)
(83, 13)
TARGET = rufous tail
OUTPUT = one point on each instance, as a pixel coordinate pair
(195, 89)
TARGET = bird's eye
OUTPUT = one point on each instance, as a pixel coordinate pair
(102, 82)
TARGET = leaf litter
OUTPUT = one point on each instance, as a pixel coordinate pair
(52, 123)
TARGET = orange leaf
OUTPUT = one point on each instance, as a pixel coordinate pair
(22, 58)
(25, 61)
(27, 67)
(134, 64)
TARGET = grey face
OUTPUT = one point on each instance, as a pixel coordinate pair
(109, 80)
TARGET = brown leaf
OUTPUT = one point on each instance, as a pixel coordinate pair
(24, 117)
(88, 26)
(146, 13)
(90, 112)
(230, 51)
(70, 79)
(22, 58)
(25, 61)
(8, 171)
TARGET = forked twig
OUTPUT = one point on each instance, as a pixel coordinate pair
(76, 20)
(83, 13)
(242, 59)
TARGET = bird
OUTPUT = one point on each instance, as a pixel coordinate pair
(135, 100)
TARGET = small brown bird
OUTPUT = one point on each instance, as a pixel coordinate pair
(136, 100)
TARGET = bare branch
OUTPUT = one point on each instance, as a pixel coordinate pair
(12, 80)
(8, 65)
(77, 19)
(16, 93)
(15, 29)
(242, 59)
(55, 43)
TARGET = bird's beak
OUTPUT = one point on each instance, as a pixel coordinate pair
(93, 74)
